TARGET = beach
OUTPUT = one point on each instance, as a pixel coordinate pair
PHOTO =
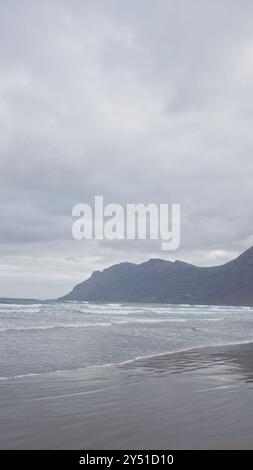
(78, 375)
(126, 243)
(197, 399)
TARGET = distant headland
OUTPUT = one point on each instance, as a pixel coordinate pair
(162, 281)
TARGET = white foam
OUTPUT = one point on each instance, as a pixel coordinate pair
(130, 361)
(19, 306)
(11, 311)
(178, 351)
(51, 327)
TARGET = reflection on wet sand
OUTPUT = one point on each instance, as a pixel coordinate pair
(226, 360)
(196, 399)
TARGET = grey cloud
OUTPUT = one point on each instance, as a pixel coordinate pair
(139, 101)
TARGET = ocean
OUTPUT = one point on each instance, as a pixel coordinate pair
(86, 375)
(50, 337)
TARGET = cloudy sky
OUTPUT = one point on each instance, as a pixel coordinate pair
(141, 101)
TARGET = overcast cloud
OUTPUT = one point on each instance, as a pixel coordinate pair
(141, 101)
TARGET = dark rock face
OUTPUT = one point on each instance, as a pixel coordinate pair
(171, 282)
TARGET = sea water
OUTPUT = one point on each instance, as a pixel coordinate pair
(40, 337)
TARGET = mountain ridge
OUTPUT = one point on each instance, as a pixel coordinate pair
(176, 282)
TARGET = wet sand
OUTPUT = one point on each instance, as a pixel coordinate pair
(198, 399)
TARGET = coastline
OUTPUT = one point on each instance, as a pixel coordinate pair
(196, 399)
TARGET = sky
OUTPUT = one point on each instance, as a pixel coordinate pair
(138, 101)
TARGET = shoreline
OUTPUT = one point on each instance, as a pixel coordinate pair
(128, 361)
(199, 398)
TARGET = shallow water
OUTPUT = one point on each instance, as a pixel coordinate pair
(42, 337)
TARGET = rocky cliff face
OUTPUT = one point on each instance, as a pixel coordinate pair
(171, 282)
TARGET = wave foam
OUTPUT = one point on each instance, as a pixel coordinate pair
(51, 327)
(129, 361)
